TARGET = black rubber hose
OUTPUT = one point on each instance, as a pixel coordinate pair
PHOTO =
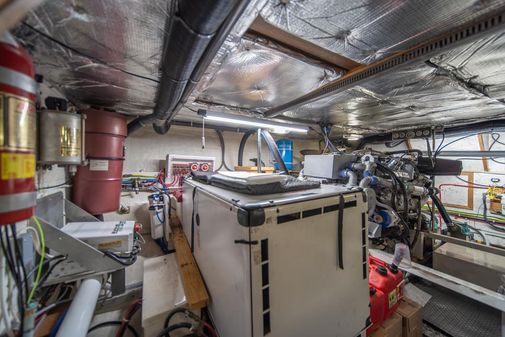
(166, 331)
(418, 229)
(113, 323)
(162, 129)
(135, 125)
(275, 151)
(172, 314)
(402, 187)
(441, 209)
(122, 261)
(221, 143)
(241, 147)
(419, 152)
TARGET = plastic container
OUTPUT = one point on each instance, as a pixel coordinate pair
(377, 305)
(97, 186)
(286, 149)
(387, 280)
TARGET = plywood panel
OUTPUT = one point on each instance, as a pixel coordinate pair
(194, 287)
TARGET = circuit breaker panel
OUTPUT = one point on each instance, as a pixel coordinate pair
(179, 166)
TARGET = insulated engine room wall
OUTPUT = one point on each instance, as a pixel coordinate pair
(146, 151)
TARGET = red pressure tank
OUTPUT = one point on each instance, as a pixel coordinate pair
(97, 186)
(18, 132)
(386, 290)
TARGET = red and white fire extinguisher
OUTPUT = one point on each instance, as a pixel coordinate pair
(18, 132)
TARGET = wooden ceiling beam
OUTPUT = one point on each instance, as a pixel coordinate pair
(263, 28)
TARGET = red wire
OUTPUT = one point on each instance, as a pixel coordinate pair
(130, 311)
(499, 224)
(210, 328)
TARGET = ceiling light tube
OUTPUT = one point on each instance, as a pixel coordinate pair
(251, 122)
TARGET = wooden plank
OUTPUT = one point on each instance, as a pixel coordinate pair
(409, 145)
(470, 190)
(197, 296)
(45, 327)
(485, 161)
(3, 3)
(261, 27)
(265, 169)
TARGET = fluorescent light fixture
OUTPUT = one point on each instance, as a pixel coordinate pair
(250, 122)
(352, 136)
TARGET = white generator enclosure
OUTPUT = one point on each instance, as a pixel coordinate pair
(279, 265)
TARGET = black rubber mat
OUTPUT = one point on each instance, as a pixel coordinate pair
(459, 316)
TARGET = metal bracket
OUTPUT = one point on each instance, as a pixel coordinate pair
(83, 259)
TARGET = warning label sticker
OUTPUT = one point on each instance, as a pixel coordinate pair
(98, 165)
(17, 165)
(70, 142)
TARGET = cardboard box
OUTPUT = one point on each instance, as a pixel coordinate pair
(392, 327)
(412, 318)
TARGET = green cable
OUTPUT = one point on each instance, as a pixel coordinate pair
(42, 256)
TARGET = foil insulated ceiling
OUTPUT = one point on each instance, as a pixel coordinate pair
(259, 75)
(415, 97)
(108, 52)
(104, 52)
(480, 65)
(369, 30)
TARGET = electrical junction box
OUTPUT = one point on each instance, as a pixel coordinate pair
(115, 236)
(178, 166)
(326, 166)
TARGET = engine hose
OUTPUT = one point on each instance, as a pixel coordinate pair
(441, 209)
(418, 229)
(272, 146)
(419, 152)
(241, 147)
(402, 187)
(166, 331)
(221, 143)
(275, 151)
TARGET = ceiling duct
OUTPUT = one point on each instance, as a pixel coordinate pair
(195, 30)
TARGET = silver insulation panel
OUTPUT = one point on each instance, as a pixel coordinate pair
(101, 52)
(479, 65)
(259, 75)
(462, 86)
(107, 53)
(368, 30)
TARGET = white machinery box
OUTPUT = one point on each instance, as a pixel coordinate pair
(291, 264)
(116, 236)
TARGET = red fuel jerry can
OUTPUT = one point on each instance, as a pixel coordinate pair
(17, 132)
(377, 304)
(387, 284)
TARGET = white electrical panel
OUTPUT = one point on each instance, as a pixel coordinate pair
(115, 236)
(179, 166)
